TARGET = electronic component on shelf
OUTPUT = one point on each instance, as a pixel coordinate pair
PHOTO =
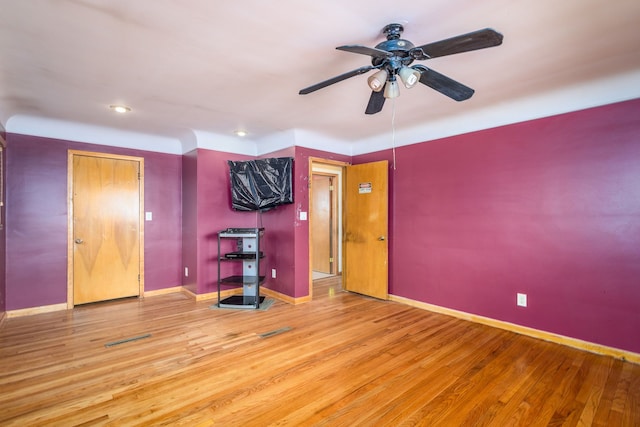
(242, 255)
(241, 232)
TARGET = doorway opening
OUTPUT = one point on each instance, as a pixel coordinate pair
(325, 223)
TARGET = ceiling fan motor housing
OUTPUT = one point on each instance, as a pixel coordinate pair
(400, 48)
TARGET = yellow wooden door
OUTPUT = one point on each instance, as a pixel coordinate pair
(321, 223)
(365, 268)
(106, 228)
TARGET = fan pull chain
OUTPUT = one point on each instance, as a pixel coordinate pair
(393, 131)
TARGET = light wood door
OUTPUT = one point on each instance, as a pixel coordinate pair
(106, 234)
(321, 223)
(365, 229)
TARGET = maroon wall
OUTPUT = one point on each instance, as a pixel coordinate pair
(3, 228)
(162, 235)
(279, 243)
(36, 273)
(214, 213)
(550, 208)
(190, 220)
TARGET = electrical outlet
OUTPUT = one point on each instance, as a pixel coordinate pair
(273, 273)
(521, 300)
(186, 272)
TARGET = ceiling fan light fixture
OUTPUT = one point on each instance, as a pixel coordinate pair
(409, 76)
(392, 90)
(120, 108)
(376, 82)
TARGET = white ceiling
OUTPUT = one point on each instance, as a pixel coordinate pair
(214, 66)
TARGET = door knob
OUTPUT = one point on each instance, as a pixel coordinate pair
(78, 241)
(381, 238)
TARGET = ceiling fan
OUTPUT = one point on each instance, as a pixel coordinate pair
(393, 57)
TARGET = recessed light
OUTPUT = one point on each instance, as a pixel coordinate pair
(241, 133)
(120, 108)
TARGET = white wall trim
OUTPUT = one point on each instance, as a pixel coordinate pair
(228, 144)
(316, 141)
(276, 142)
(91, 134)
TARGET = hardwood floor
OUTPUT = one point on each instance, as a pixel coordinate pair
(340, 360)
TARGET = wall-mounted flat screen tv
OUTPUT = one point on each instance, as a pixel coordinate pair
(261, 184)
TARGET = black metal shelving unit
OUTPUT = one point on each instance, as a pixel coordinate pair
(247, 251)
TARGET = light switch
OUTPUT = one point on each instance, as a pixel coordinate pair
(148, 216)
(303, 216)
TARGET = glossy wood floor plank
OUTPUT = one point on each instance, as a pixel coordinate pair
(342, 359)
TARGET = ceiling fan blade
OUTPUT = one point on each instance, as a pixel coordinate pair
(364, 50)
(463, 43)
(335, 79)
(376, 102)
(444, 84)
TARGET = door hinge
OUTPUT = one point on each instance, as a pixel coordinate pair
(331, 188)
(138, 277)
(330, 259)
